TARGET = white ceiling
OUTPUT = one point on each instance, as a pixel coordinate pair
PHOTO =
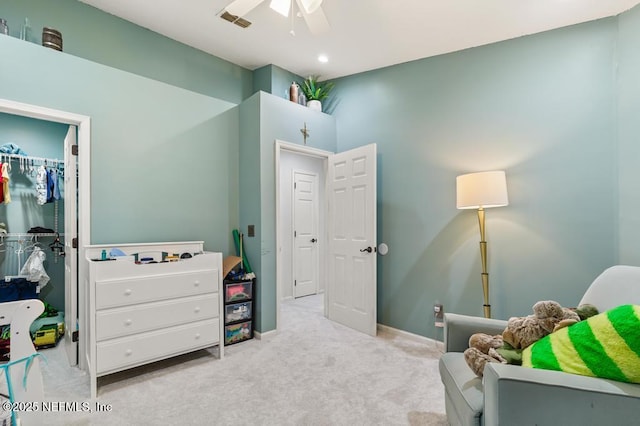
(365, 34)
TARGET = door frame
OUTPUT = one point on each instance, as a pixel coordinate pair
(280, 146)
(83, 123)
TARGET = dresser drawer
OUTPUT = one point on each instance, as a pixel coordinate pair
(117, 354)
(119, 322)
(122, 292)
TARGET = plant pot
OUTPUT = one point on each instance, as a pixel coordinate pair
(315, 105)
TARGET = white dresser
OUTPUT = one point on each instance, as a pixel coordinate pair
(141, 313)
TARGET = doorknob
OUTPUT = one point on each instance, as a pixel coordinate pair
(368, 250)
(313, 240)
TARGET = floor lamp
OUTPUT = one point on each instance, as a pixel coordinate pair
(481, 191)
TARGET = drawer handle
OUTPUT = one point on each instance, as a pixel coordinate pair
(196, 283)
(128, 352)
(127, 292)
(197, 309)
(128, 322)
(197, 336)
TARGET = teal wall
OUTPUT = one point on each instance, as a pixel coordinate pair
(628, 131)
(162, 158)
(540, 107)
(89, 33)
(275, 80)
(39, 139)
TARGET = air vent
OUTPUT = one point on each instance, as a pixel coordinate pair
(243, 23)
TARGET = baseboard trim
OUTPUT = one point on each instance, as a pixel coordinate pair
(265, 335)
(411, 336)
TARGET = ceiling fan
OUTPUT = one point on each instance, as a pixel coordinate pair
(309, 9)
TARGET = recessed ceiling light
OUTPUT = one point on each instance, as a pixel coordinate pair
(323, 58)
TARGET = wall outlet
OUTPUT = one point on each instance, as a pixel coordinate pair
(438, 314)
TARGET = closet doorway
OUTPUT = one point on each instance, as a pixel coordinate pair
(76, 232)
(300, 216)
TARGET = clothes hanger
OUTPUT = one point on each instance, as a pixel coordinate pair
(56, 246)
(33, 243)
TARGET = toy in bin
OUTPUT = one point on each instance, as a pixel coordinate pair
(236, 333)
(237, 291)
(238, 312)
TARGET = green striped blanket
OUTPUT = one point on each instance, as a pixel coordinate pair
(606, 345)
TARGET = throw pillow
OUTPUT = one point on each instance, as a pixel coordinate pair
(606, 345)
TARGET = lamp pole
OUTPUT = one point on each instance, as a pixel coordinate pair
(483, 257)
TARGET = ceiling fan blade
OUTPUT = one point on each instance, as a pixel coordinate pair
(242, 7)
(316, 21)
(281, 6)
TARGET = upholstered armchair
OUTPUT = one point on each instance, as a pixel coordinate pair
(514, 395)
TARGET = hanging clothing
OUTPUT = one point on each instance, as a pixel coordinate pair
(34, 268)
(1, 185)
(56, 184)
(53, 189)
(5, 183)
(49, 186)
(41, 185)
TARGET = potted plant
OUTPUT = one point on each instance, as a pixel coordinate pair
(315, 92)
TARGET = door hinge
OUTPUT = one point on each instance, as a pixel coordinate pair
(74, 149)
(295, 233)
(295, 282)
(74, 243)
(75, 336)
(295, 185)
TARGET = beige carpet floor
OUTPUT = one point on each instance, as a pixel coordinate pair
(312, 372)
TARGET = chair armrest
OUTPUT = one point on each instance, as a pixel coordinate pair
(520, 395)
(458, 328)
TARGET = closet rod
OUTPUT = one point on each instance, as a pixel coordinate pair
(31, 158)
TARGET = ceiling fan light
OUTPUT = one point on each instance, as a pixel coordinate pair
(281, 6)
(310, 6)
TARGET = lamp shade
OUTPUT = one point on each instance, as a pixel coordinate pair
(483, 189)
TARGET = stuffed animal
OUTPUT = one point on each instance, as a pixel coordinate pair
(548, 316)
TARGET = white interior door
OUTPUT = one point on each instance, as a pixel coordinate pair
(71, 254)
(352, 286)
(305, 241)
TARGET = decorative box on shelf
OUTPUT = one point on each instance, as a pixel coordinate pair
(238, 310)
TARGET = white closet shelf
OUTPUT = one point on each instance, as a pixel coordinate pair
(30, 158)
(31, 234)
